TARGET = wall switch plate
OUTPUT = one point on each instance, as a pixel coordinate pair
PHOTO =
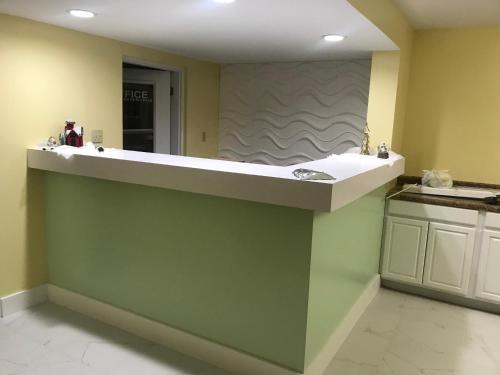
(96, 136)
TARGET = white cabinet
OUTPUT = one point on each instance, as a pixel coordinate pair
(446, 249)
(449, 258)
(488, 282)
(404, 249)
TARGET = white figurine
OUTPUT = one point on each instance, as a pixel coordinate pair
(383, 151)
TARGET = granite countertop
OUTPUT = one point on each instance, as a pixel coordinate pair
(438, 200)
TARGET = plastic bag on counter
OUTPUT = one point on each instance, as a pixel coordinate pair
(437, 179)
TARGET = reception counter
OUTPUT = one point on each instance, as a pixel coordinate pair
(267, 271)
(355, 175)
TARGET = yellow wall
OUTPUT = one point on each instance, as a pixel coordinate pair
(390, 72)
(453, 118)
(437, 100)
(383, 94)
(46, 75)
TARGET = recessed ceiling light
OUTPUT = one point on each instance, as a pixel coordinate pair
(81, 13)
(224, 1)
(334, 38)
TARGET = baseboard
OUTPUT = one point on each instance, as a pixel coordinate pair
(22, 300)
(207, 351)
(323, 359)
(421, 291)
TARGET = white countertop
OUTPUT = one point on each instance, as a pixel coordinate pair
(356, 175)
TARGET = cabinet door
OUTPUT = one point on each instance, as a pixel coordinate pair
(404, 250)
(449, 257)
(488, 282)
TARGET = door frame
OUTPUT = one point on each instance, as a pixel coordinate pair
(177, 101)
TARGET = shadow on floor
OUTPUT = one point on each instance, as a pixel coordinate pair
(49, 339)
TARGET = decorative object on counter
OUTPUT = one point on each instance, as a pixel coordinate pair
(91, 146)
(437, 179)
(383, 151)
(365, 145)
(51, 142)
(308, 174)
(72, 135)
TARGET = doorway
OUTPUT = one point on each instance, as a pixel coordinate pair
(151, 108)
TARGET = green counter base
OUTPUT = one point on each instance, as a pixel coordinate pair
(271, 282)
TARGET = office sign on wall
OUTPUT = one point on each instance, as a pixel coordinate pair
(138, 105)
(138, 116)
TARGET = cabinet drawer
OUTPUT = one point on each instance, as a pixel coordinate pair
(492, 220)
(432, 212)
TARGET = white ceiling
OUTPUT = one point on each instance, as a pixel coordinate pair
(432, 14)
(245, 31)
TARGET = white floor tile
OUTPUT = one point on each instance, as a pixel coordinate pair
(50, 340)
(401, 334)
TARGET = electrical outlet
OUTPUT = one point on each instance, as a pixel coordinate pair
(96, 136)
(204, 136)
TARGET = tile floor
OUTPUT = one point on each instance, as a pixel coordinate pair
(50, 340)
(399, 334)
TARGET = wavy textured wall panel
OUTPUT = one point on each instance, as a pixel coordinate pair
(287, 113)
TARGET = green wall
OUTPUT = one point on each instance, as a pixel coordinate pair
(345, 258)
(232, 271)
(271, 281)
